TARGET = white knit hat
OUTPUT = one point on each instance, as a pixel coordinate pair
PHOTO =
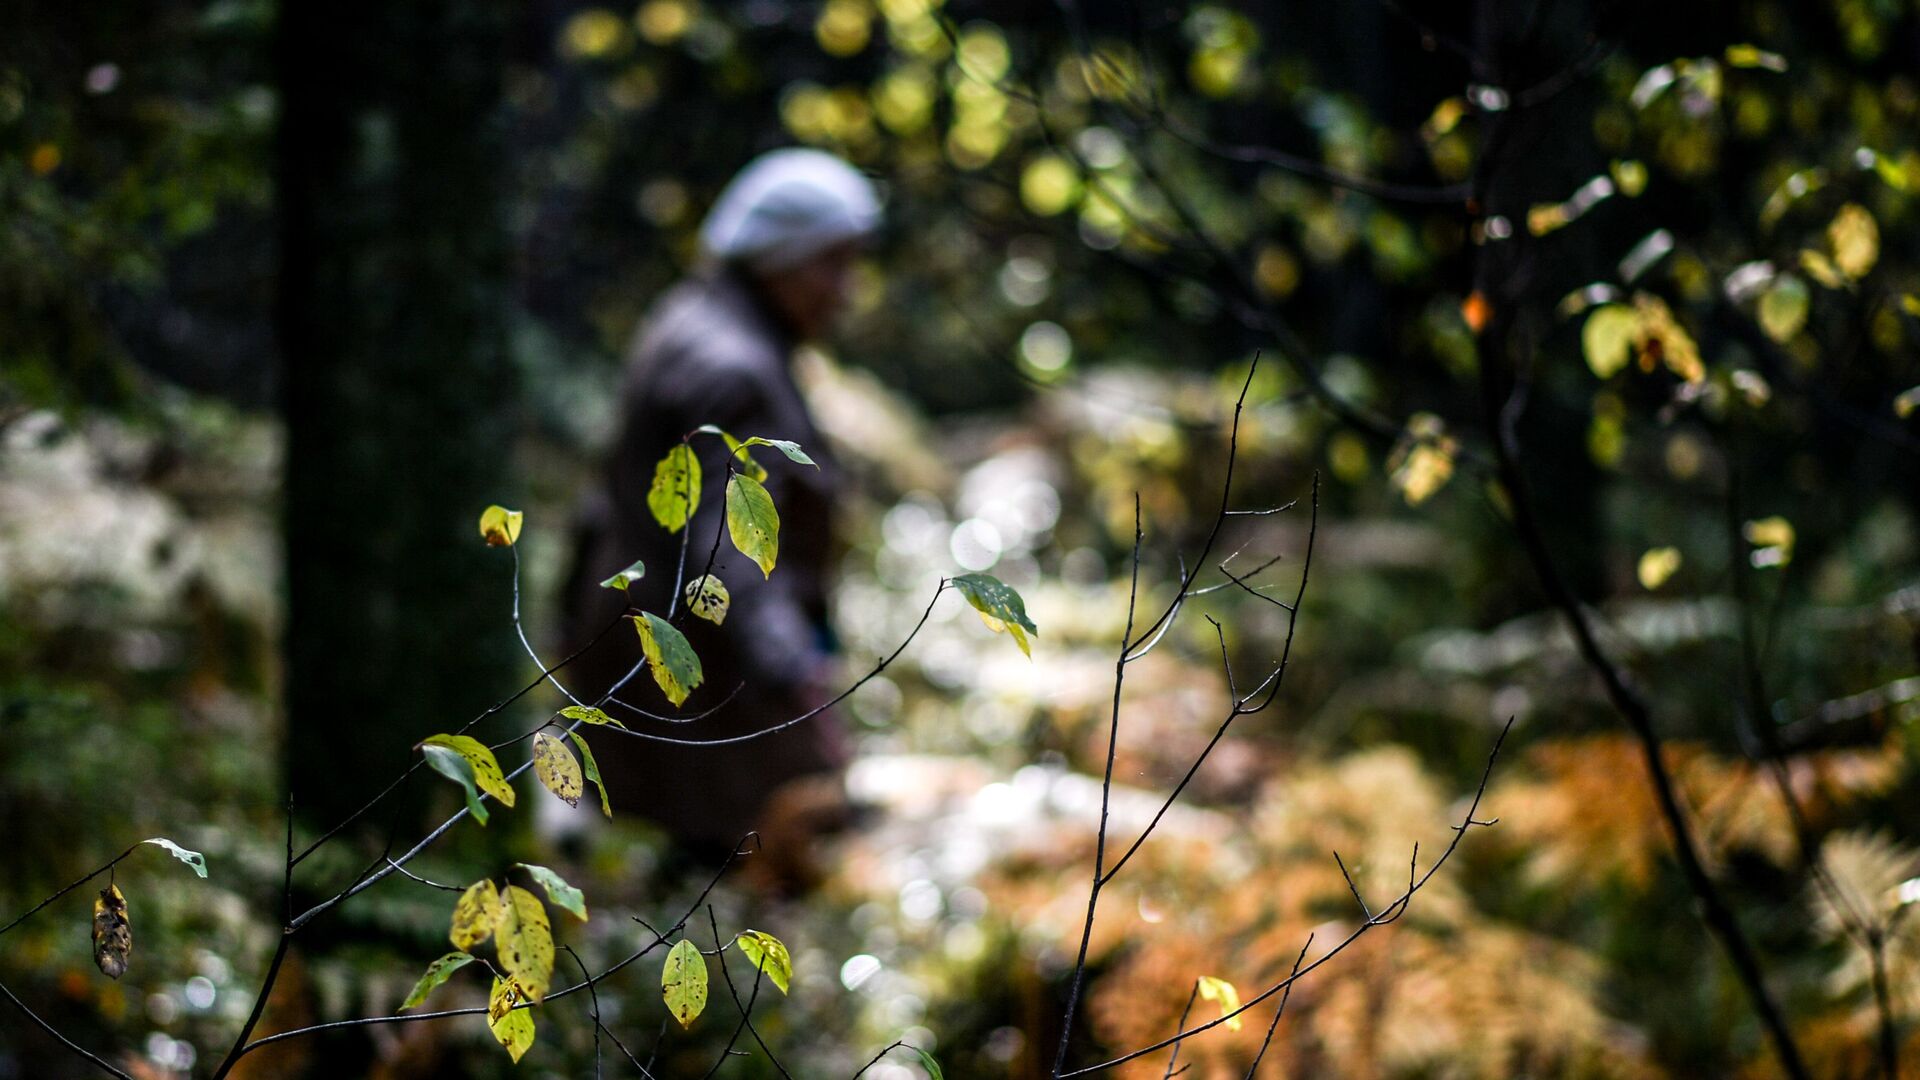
(787, 206)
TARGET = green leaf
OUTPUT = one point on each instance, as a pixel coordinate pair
(592, 769)
(752, 521)
(1222, 991)
(512, 1027)
(787, 447)
(437, 972)
(474, 915)
(626, 577)
(499, 526)
(556, 769)
(769, 954)
(707, 597)
(683, 983)
(455, 768)
(558, 891)
(675, 666)
(524, 942)
(1783, 307)
(486, 770)
(1608, 336)
(191, 858)
(676, 488)
(927, 1063)
(587, 714)
(742, 460)
(1000, 607)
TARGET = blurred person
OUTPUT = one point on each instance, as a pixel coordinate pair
(778, 247)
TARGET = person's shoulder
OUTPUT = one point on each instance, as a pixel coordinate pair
(703, 358)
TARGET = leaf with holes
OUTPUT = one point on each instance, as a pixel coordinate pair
(474, 915)
(112, 933)
(558, 891)
(676, 488)
(592, 770)
(1000, 607)
(707, 597)
(675, 666)
(769, 954)
(587, 714)
(512, 1027)
(191, 858)
(437, 972)
(524, 942)
(683, 983)
(556, 769)
(752, 522)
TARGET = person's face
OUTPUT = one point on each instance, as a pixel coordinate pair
(812, 295)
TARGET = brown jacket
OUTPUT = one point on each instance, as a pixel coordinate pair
(708, 353)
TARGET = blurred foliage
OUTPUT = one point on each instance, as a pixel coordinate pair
(1722, 221)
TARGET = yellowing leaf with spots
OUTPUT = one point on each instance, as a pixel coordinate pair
(474, 915)
(676, 488)
(592, 770)
(769, 954)
(486, 768)
(1000, 607)
(512, 1027)
(675, 666)
(683, 982)
(752, 522)
(499, 526)
(112, 933)
(524, 941)
(707, 597)
(556, 769)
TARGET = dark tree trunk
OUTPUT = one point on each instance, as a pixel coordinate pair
(398, 393)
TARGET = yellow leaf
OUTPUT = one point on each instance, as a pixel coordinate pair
(1630, 176)
(1783, 307)
(768, 954)
(499, 526)
(486, 768)
(1607, 338)
(1821, 268)
(1423, 463)
(1772, 539)
(1905, 402)
(1657, 565)
(474, 915)
(512, 1027)
(556, 768)
(524, 941)
(112, 933)
(1663, 338)
(1222, 991)
(683, 982)
(752, 522)
(1855, 239)
(707, 597)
